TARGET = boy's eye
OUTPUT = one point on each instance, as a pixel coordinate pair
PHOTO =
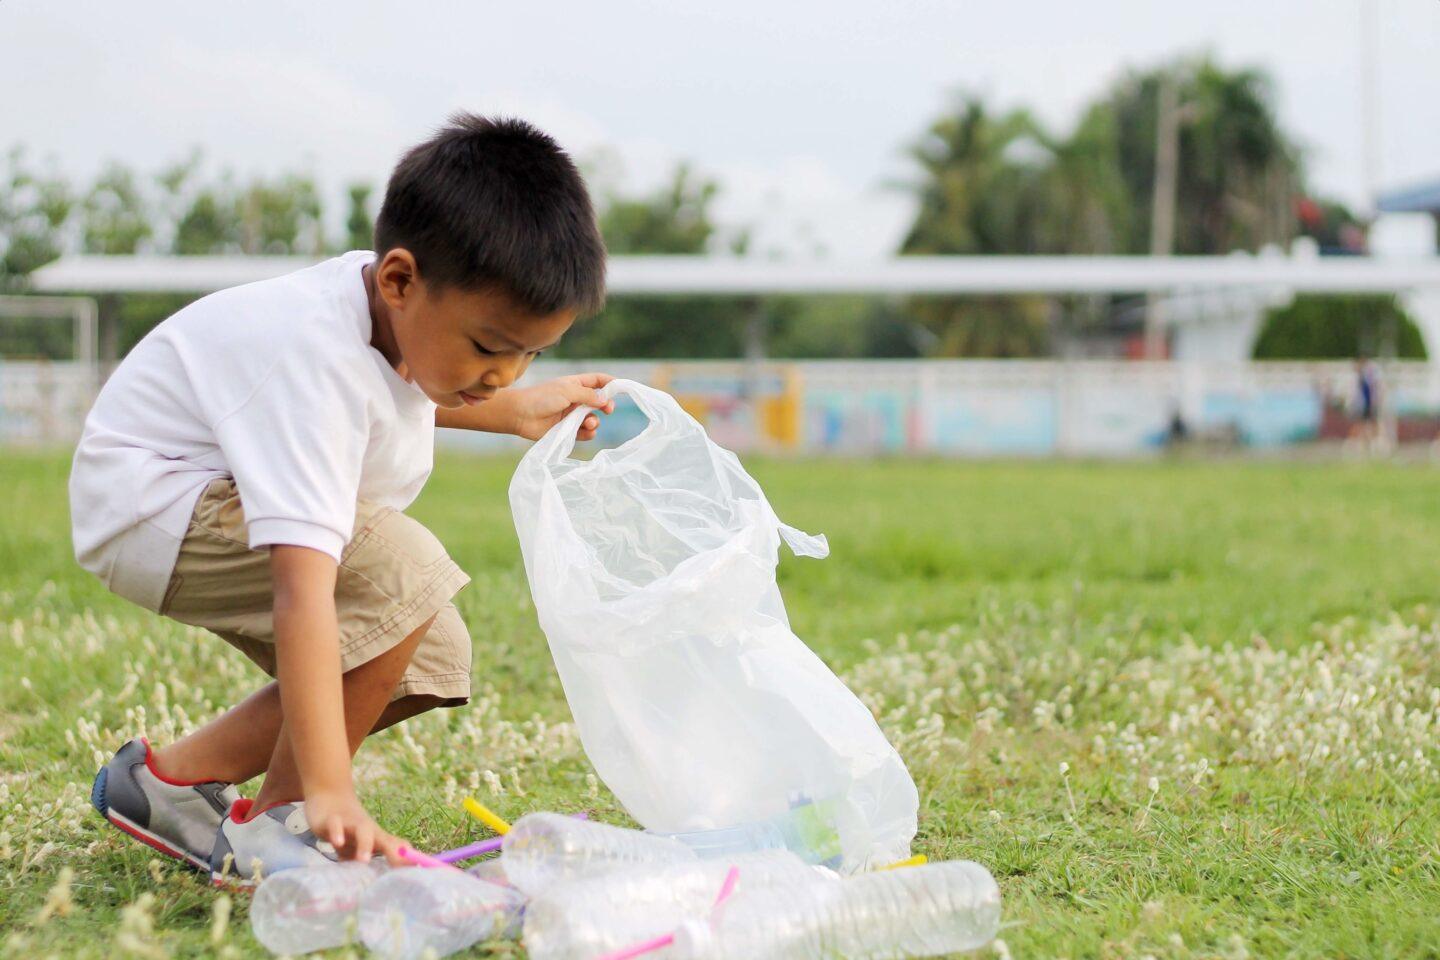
(538, 353)
(481, 349)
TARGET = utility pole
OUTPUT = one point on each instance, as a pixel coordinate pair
(1162, 204)
(1369, 94)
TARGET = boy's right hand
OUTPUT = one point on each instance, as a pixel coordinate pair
(339, 819)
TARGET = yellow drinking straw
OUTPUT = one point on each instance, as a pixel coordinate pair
(485, 815)
(916, 861)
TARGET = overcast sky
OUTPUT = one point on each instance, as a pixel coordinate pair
(800, 109)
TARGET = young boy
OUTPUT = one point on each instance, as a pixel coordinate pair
(244, 468)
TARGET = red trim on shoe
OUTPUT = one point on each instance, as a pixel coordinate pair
(244, 809)
(152, 841)
(150, 765)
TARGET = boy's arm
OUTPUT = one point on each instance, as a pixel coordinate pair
(490, 416)
(307, 652)
(530, 411)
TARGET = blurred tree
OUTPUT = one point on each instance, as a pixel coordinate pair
(998, 183)
(281, 216)
(210, 225)
(985, 180)
(1339, 327)
(1237, 170)
(34, 208)
(116, 217)
(359, 225)
(675, 219)
(804, 328)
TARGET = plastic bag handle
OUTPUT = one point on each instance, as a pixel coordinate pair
(665, 411)
(559, 442)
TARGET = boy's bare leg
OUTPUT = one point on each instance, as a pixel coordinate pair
(249, 738)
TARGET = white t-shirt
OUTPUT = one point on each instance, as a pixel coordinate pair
(273, 383)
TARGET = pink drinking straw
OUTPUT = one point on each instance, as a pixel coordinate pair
(732, 877)
(423, 859)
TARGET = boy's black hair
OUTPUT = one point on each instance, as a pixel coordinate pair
(497, 204)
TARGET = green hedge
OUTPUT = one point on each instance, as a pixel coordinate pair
(1338, 327)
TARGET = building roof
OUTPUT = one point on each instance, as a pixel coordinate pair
(666, 276)
(1416, 198)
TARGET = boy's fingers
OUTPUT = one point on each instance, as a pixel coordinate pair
(390, 847)
(594, 379)
(364, 842)
(335, 830)
(580, 393)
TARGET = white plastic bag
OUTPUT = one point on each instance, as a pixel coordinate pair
(652, 567)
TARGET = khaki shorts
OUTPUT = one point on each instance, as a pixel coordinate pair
(393, 576)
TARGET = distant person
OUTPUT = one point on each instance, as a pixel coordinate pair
(1177, 431)
(245, 467)
(1366, 429)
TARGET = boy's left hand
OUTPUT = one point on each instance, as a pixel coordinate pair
(534, 410)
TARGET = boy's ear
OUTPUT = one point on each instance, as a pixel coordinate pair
(397, 277)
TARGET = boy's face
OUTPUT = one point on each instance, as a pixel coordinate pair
(458, 346)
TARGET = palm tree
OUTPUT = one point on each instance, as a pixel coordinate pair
(1238, 172)
(980, 193)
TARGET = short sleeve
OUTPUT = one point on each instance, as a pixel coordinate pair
(296, 448)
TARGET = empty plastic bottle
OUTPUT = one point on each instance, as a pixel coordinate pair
(809, 830)
(492, 871)
(543, 849)
(915, 912)
(584, 919)
(310, 908)
(407, 912)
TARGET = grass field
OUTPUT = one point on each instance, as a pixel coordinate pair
(1180, 710)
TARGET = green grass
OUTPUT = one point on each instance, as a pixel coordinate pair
(1254, 641)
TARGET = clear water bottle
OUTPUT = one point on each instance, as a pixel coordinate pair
(923, 911)
(812, 831)
(310, 908)
(491, 871)
(543, 849)
(408, 912)
(583, 919)
(731, 841)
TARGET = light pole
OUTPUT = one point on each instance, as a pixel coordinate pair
(1369, 94)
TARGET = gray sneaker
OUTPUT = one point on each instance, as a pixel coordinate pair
(177, 818)
(252, 844)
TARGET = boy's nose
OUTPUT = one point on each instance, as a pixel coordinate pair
(503, 374)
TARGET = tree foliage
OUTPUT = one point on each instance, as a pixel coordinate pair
(1339, 327)
(176, 210)
(999, 183)
(677, 220)
(34, 208)
(359, 224)
(988, 182)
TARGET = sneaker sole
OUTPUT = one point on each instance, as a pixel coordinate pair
(126, 825)
(231, 883)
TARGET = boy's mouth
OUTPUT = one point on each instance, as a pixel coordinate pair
(472, 399)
